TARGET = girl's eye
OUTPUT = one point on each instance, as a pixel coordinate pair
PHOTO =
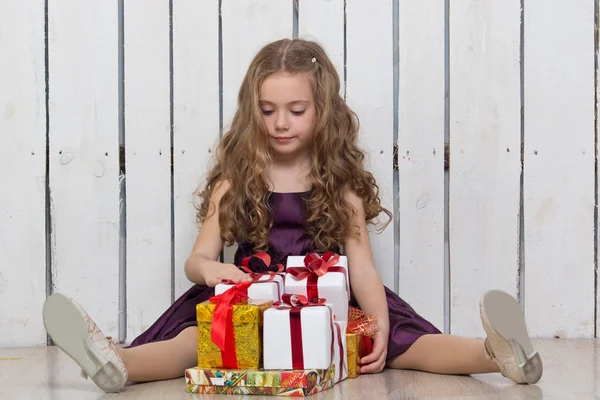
(298, 112)
(267, 112)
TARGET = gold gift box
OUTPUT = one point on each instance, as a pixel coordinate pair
(247, 328)
(355, 350)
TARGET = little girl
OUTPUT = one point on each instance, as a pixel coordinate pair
(289, 179)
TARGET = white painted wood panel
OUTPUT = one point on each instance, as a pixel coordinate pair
(369, 92)
(323, 22)
(23, 176)
(84, 159)
(484, 123)
(559, 168)
(597, 227)
(195, 116)
(485, 166)
(247, 27)
(421, 157)
(148, 162)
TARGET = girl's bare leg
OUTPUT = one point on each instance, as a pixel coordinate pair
(507, 348)
(166, 359)
(445, 354)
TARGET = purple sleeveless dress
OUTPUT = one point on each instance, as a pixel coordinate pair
(287, 238)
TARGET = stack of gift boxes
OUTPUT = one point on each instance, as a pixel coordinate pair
(285, 333)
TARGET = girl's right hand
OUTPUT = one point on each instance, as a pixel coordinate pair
(214, 275)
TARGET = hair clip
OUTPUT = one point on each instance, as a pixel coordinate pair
(314, 60)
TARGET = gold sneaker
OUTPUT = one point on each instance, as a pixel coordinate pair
(74, 332)
(507, 343)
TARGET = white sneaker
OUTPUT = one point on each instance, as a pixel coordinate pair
(73, 331)
(507, 342)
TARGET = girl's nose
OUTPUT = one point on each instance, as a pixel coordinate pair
(281, 123)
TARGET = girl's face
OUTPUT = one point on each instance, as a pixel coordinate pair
(288, 109)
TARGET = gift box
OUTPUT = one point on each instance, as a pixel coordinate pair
(320, 277)
(230, 328)
(267, 279)
(264, 286)
(340, 353)
(259, 382)
(359, 343)
(299, 334)
(356, 349)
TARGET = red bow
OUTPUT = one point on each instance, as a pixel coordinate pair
(314, 267)
(266, 259)
(297, 301)
(256, 276)
(222, 323)
(358, 324)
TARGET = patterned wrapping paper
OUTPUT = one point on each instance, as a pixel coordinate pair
(248, 333)
(260, 391)
(288, 383)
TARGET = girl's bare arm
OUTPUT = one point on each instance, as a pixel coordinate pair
(201, 266)
(366, 283)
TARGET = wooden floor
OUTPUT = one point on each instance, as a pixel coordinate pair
(572, 371)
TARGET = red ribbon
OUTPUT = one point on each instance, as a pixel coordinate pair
(358, 323)
(368, 344)
(257, 276)
(266, 259)
(295, 303)
(253, 282)
(314, 267)
(222, 333)
(289, 301)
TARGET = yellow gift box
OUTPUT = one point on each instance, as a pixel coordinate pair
(361, 329)
(247, 319)
(355, 350)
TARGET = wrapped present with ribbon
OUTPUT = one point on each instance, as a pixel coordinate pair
(230, 328)
(325, 277)
(290, 383)
(359, 338)
(267, 280)
(301, 334)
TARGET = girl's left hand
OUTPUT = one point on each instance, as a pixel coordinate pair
(375, 362)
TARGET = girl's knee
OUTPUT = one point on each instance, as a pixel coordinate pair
(189, 335)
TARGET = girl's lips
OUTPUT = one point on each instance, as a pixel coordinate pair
(283, 138)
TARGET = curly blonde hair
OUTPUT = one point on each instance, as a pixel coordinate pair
(337, 165)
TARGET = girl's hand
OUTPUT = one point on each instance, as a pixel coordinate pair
(375, 362)
(214, 275)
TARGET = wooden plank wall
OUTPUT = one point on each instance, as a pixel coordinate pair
(497, 99)
(485, 159)
(559, 156)
(83, 108)
(23, 176)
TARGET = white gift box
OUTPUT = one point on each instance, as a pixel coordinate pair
(340, 357)
(268, 287)
(315, 334)
(333, 286)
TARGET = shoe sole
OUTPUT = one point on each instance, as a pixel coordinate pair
(67, 327)
(507, 321)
